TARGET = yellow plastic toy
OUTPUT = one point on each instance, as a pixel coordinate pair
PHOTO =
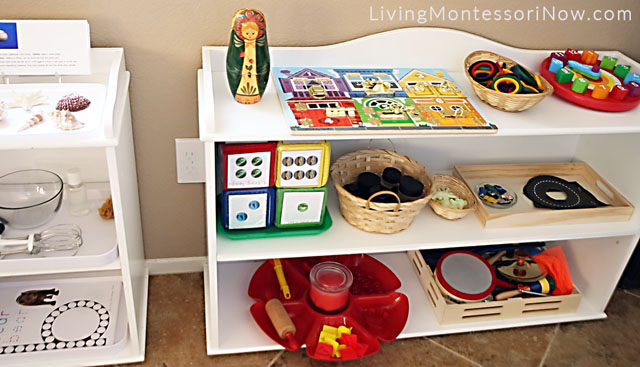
(330, 334)
(282, 280)
(300, 165)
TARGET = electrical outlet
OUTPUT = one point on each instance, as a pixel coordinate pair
(190, 160)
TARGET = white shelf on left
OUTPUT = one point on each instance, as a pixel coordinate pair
(98, 252)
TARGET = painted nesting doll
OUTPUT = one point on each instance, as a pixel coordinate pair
(248, 56)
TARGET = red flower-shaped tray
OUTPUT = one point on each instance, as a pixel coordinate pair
(584, 99)
(376, 312)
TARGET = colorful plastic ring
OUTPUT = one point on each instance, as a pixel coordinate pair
(529, 89)
(500, 82)
(483, 76)
(483, 71)
(538, 82)
(523, 74)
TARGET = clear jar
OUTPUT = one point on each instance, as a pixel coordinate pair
(330, 284)
(76, 194)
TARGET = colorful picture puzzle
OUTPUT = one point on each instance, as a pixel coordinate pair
(370, 101)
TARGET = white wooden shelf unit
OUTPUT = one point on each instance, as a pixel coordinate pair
(105, 157)
(553, 131)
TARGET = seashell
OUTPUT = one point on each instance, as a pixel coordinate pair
(73, 102)
(3, 111)
(3, 36)
(65, 120)
(32, 121)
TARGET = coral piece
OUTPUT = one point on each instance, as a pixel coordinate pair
(32, 121)
(106, 210)
(73, 102)
(65, 120)
(27, 101)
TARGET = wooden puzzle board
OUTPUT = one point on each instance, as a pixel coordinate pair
(325, 101)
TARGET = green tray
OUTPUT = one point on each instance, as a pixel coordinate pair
(273, 231)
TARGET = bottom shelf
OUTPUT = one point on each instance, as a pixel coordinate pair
(241, 334)
(87, 325)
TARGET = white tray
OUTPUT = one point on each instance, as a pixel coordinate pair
(67, 315)
(50, 94)
(98, 252)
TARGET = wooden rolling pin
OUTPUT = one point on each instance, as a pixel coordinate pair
(282, 322)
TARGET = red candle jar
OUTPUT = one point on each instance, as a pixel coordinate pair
(330, 283)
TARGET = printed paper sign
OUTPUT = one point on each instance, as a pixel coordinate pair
(44, 47)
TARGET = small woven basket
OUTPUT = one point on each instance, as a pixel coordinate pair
(457, 187)
(504, 101)
(370, 216)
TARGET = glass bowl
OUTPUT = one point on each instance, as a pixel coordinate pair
(29, 198)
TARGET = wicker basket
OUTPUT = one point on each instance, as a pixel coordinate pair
(457, 187)
(503, 101)
(371, 216)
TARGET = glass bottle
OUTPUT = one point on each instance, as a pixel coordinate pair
(76, 194)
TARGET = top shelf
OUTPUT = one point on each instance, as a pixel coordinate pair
(109, 78)
(223, 119)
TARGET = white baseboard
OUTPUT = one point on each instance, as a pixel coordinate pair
(176, 265)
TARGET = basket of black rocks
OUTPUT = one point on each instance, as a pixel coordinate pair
(380, 191)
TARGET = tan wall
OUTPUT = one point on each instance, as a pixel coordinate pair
(162, 40)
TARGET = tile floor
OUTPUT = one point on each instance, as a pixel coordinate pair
(176, 337)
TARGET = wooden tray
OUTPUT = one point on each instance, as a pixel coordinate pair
(448, 312)
(524, 213)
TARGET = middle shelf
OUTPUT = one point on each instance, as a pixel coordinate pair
(342, 238)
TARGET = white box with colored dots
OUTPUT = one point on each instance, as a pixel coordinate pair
(247, 209)
(248, 166)
(300, 165)
(300, 207)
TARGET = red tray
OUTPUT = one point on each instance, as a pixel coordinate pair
(374, 318)
(585, 100)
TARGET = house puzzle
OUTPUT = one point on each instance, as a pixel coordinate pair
(381, 100)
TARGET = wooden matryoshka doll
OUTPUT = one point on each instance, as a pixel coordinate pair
(248, 56)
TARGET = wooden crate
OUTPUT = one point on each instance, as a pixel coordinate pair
(448, 312)
(524, 213)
